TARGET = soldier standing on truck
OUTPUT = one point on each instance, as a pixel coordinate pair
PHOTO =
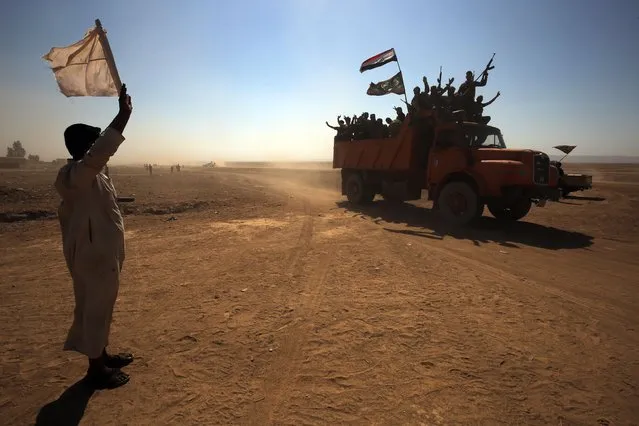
(414, 103)
(468, 88)
(341, 131)
(380, 129)
(394, 127)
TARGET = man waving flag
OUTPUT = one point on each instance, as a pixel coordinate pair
(90, 218)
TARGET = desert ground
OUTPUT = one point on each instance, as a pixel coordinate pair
(257, 295)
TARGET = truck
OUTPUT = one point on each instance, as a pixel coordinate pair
(570, 182)
(463, 166)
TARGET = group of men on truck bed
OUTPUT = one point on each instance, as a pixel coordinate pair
(445, 100)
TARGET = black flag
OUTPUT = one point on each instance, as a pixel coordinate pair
(394, 84)
(566, 149)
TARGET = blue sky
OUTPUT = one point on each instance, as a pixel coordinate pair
(256, 80)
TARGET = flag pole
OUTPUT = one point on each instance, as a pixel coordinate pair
(109, 55)
(402, 74)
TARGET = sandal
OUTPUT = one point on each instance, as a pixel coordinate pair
(118, 361)
(109, 379)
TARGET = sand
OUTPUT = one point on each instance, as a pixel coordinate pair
(258, 296)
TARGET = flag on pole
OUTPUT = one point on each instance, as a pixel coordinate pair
(566, 149)
(85, 68)
(394, 84)
(378, 60)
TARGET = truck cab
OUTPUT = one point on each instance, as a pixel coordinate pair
(507, 181)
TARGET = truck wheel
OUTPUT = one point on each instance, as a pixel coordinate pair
(514, 211)
(356, 191)
(458, 203)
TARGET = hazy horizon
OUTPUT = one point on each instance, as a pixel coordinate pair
(573, 159)
(256, 80)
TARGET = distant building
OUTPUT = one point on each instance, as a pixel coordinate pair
(12, 163)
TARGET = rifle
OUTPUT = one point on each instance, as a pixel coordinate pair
(439, 79)
(489, 67)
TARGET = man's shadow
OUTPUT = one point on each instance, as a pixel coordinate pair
(69, 408)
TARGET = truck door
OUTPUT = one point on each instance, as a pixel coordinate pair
(448, 155)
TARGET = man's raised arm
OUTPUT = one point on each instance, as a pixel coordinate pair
(120, 121)
(484, 80)
(492, 100)
(82, 172)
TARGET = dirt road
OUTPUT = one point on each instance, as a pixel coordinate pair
(262, 298)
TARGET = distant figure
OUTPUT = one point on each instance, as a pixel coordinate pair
(171, 169)
(93, 243)
(150, 170)
(178, 167)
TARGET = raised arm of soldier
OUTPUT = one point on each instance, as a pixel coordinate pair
(483, 81)
(91, 150)
(426, 86)
(492, 100)
(332, 127)
(445, 88)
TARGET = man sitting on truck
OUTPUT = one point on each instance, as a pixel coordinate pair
(478, 109)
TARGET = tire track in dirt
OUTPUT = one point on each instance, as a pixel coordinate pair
(303, 240)
(282, 369)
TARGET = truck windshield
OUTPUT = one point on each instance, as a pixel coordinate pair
(484, 137)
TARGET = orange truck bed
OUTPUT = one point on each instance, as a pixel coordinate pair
(393, 154)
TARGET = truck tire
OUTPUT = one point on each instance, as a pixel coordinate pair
(356, 191)
(458, 203)
(514, 211)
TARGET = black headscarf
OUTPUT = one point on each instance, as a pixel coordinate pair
(78, 138)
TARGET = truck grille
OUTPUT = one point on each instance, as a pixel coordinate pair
(541, 169)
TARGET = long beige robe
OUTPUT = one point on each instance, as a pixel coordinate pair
(93, 243)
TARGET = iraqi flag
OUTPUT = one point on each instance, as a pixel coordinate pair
(378, 60)
(566, 149)
(394, 84)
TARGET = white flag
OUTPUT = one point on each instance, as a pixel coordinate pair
(83, 69)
